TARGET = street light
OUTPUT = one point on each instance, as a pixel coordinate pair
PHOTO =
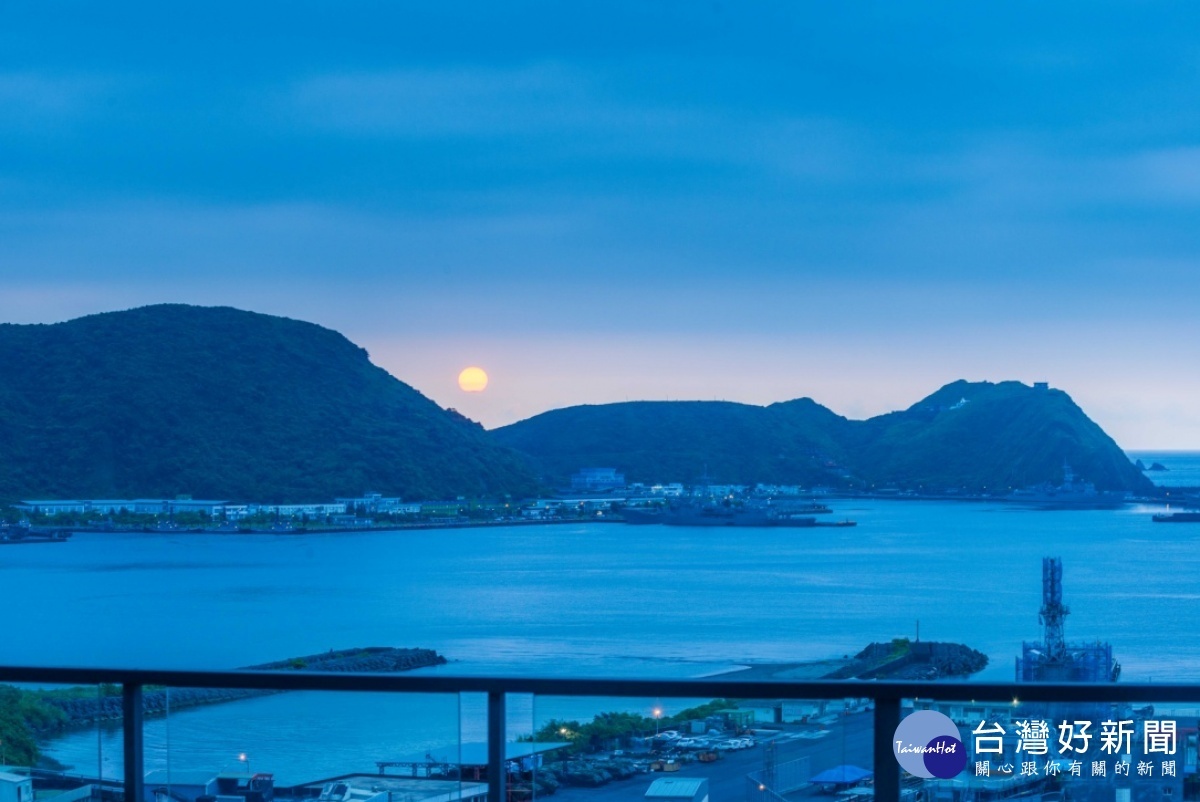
(243, 757)
(657, 716)
(566, 734)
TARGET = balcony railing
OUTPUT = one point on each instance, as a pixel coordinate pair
(887, 698)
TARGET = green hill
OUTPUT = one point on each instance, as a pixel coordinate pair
(998, 436)
(220, 403)
(975, 436)
(681, 440)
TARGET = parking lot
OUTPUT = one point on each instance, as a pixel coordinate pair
(846, 740)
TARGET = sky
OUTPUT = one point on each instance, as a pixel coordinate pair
(609, 201)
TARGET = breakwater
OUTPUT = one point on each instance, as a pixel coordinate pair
(901, 659)
(105, 706)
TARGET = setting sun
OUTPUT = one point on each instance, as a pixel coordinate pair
(473, 380)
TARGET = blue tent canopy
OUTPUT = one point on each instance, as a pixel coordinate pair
(841, 775)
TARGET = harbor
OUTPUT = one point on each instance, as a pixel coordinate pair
(558, 592)
(791, 753)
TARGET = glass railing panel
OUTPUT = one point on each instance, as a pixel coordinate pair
(210, 745)
(755, 749)
(1049, 750)
(53, 744)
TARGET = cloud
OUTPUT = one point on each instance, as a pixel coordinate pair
(472, 101)
(31, 101)
(270, 239)
(1171, 175)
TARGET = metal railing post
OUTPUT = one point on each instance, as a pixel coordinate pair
(135, 766)
(887, 770)
(496, 732)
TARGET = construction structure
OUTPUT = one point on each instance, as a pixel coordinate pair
(1054, 660)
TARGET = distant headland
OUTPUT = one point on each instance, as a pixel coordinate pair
(225, 404)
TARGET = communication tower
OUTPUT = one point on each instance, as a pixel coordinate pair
(1055, 660)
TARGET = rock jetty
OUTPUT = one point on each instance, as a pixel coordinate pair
(86, 710)
(902, 659)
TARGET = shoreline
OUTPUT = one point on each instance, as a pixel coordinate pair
(789, 671)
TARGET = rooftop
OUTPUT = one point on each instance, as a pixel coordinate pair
(674, 788)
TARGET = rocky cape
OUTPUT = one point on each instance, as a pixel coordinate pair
(967, 436)
(230, 405)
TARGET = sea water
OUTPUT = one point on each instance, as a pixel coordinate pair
(1182, 467)
(576, 600)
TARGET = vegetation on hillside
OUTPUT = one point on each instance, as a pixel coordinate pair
(224, 404)
(24, 715)
(605, 728)
(681, 440)
(979, 437)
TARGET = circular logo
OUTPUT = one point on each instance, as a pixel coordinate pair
(928, 744)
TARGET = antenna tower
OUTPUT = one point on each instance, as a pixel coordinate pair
(1053, 611)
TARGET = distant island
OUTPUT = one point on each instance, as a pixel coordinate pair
(218, 403)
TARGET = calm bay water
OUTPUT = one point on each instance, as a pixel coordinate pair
(587, 600)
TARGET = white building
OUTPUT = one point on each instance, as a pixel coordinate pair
(593, 479)
(777, 490)
(46, 507)
(15, 788)
(297, 510)
(377, 502)
(139, 506)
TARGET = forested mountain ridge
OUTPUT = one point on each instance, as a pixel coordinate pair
(225, 404)
(976, 436)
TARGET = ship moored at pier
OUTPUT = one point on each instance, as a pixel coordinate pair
(1177, 518)
(710, 515)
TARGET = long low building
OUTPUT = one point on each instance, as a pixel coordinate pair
(137, 506)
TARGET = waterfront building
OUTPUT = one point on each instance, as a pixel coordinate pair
(52, 507)
(579, 503)
(777, 490)
(137, 506)
(715, 491)
(377, 502)
(441, 509)
(298, 510)
(597, 479)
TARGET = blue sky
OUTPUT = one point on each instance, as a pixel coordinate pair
(607, 201)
